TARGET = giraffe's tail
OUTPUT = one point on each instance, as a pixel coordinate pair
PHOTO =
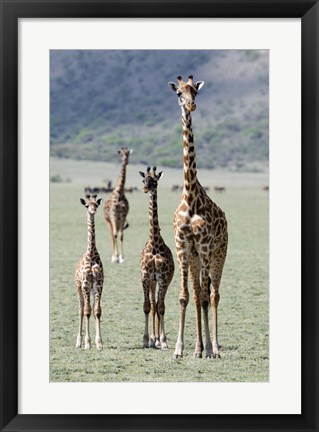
(209, 284)
(126, 225)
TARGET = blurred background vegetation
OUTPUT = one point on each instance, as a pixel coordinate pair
(102, 100)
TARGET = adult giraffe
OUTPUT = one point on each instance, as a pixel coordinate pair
(200, 229)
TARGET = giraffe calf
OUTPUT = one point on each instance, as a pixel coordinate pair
(157, 268)
(89, 278)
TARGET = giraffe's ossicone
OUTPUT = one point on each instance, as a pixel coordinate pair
(201, 235)
(89, 279)
(157, 268)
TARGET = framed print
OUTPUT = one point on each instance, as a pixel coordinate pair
(85, 115)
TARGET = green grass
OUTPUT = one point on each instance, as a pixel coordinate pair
(243, 309)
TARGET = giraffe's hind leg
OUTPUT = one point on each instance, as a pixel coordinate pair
(113, 231)
(81, 314)
(154, 335)
(97, 292)
(121, 256)
(182, 257)
(204, 295)
(147, 288)
(161, 339)
(216, 272)
(87, 313)
(194, 272)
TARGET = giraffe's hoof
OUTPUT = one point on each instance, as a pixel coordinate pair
(198, 354)
(87, 343)
(177, 356)
(121, 260)
(216, 347)
(145, 342)
(99, 344)
(152, 343)
(115, 259)
(78, 342)
(164, 345)
(178, 351)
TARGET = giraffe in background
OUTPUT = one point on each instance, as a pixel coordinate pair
(89, 278)
(157, 267)
(201, 235)
(116, 209)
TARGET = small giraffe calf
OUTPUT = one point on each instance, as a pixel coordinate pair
(89, 278)
(157, 267)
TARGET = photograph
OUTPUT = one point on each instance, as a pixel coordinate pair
(159, 215)
(159, 208)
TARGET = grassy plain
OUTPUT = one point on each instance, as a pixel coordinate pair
(243, 309)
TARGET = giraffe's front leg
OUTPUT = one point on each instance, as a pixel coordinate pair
(182, 257)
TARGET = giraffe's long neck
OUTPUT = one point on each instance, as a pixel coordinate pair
(119, 188)
(190, 171)
(91, 246)
(154, 235)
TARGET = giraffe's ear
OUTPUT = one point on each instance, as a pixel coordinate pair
(159, 175)
(142, 174)
(99, 201)
(82, 201)
(199, 85)
(172, 86)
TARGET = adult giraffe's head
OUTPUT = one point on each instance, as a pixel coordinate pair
(150, 179)
(91, 203)
(124, 153)
(186, 92)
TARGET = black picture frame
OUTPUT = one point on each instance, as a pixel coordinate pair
(11, 11)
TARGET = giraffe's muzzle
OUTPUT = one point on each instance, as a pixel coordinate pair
(189, 104)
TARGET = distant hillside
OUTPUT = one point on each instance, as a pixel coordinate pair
(102, 100)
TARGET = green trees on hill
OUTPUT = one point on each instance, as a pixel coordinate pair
(102, 100)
